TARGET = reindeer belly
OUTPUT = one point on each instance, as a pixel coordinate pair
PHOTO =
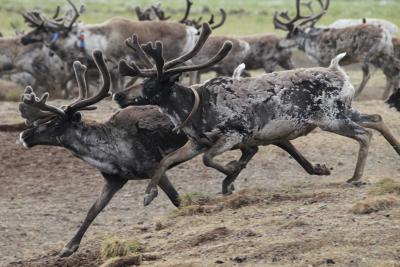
(281, 129)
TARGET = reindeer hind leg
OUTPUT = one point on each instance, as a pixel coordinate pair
(348, 128)
(375, 121)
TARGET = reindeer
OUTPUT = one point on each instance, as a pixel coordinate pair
(112, 147)
(32, 63)
(72, 41)
(226, 113)
(365, 43)
(267, 51)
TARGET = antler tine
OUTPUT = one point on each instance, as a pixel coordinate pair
(139, 14)
(160, 13)
(104, 90)
(290, 24)
(132, 70)
(76, 14)
(223, 18)
(205, 33)
(32, 19)
(222, 53)
(133, 43)
(30, 99)
(314, 19)
(187, 11)
(80, 75)
(309, 6)
(57, 12)
(211, 20)
(156, 53)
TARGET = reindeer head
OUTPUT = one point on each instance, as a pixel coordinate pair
(297, 26)
(49, 30)
(50, 125)
(161, 77)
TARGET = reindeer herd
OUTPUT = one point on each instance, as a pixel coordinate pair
(165, 121)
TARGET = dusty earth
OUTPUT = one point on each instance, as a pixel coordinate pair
(293, 220)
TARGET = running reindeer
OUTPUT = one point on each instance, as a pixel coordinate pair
(129, 146)
(364, 43)
(126, 147)
(228, 113)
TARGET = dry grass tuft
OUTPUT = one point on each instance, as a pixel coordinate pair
(375, 204)
(386, 186)
(194, 198)
(117, 247)
(13, 96)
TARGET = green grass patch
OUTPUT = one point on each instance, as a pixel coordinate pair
(386, 186)
(114, 246)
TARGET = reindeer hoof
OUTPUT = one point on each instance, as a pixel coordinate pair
(321, 169)
(228, 190)
(148, 197)
(68, 251)
(355, 182)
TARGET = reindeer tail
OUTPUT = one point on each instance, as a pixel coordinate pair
(237, 73)
(335, 61)
(394, 100)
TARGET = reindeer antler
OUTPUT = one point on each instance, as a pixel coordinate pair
(37, 111)
(36, 20)
(163, 68)
(290, 24)
(187, 11)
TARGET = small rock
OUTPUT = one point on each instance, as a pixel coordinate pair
(330, 261)
(239, 259)
(219, 262)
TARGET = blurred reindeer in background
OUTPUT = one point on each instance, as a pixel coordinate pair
(74, 41)
(364, 43)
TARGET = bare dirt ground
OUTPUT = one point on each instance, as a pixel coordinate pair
(294, 220)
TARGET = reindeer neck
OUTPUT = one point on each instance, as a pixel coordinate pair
(95, 143)
(179, 104)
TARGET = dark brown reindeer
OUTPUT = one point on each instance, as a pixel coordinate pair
(128, 146)
(365, 43)
(228, 113)
(74, 41)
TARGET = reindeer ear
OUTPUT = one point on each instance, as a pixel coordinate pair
(174, 78)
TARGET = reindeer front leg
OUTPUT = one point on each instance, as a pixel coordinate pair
(111, 186)
(365, 79)
(185, 153)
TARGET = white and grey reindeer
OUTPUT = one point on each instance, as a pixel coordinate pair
(364, 43)
(227, 113)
